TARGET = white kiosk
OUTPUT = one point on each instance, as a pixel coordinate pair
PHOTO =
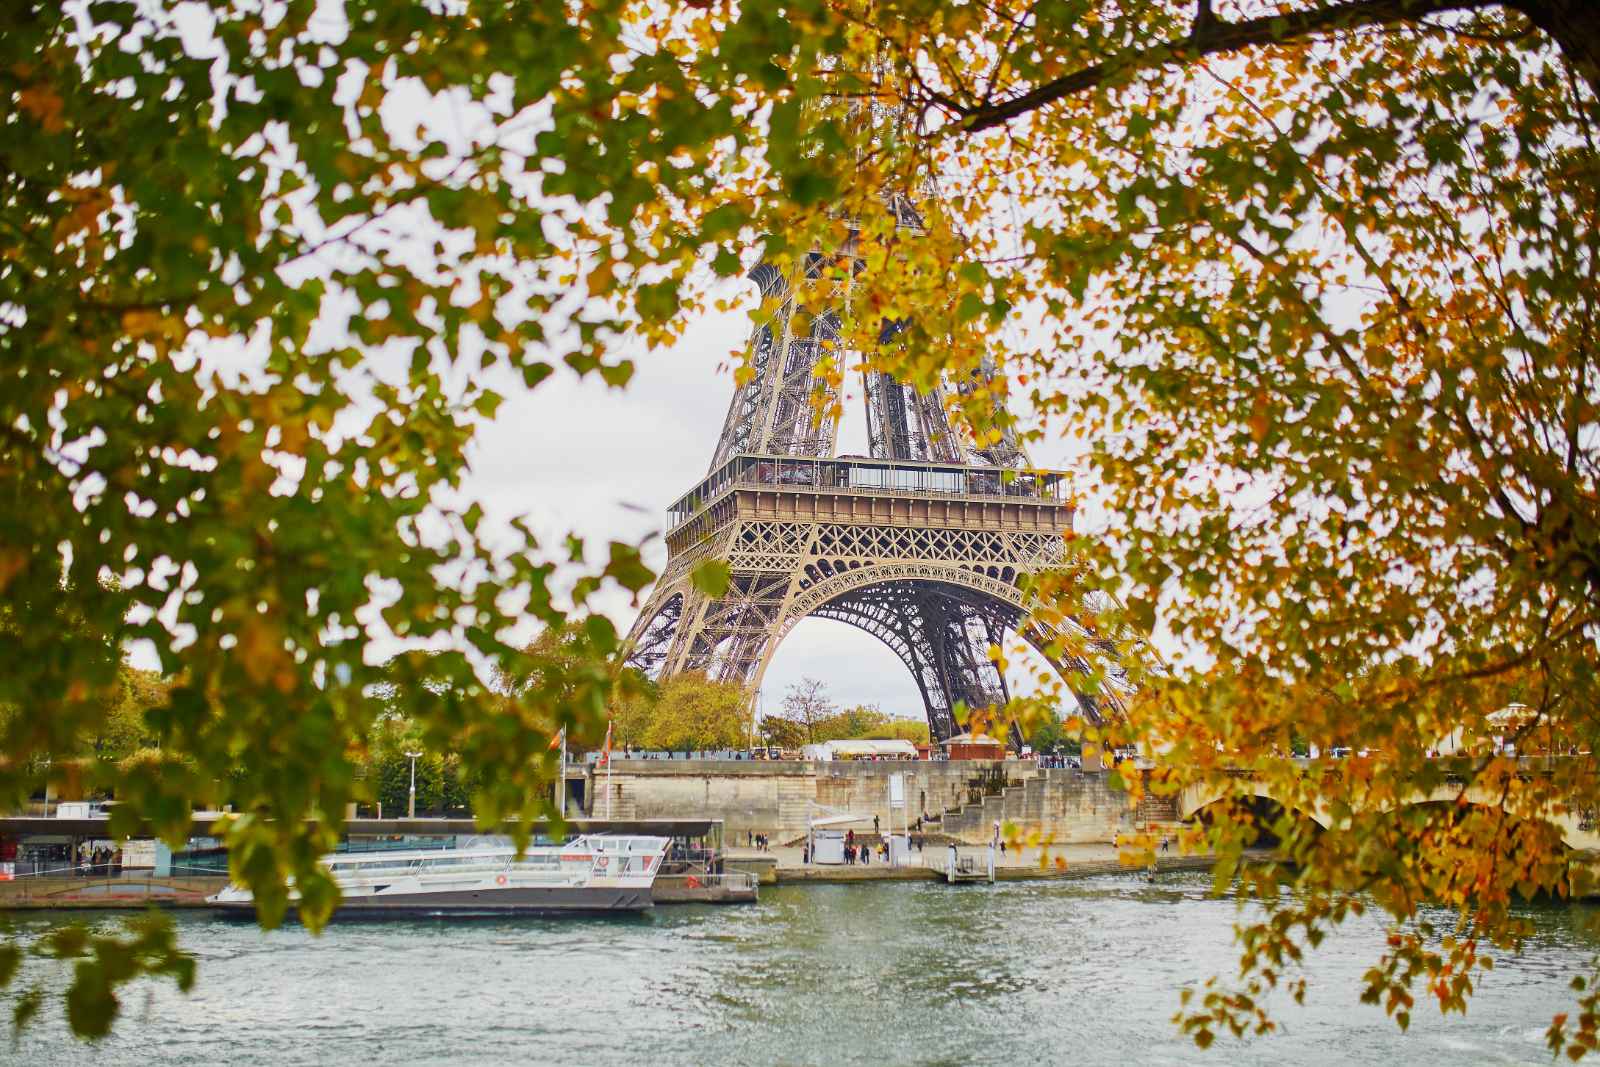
(826, 836)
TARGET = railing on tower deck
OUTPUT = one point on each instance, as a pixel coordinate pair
(859, 474)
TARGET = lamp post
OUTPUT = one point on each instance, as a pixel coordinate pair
(411, 805)
(755, 721)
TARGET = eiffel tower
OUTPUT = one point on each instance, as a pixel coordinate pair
(923, 543)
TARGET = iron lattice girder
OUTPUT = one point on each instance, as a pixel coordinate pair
(942, 632)
(935, 576)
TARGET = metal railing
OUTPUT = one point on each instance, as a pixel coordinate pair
(101, 873)
(862, 474)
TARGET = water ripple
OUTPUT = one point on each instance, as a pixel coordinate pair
(904, 974)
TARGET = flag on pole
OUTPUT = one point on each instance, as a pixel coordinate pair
(555, 742)
(605, 753)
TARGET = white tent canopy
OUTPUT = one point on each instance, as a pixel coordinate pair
(853, 749)
(974, 739)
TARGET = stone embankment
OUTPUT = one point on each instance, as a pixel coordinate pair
(1008, 873)
(959, 800)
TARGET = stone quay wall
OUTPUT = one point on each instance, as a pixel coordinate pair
(779, 798)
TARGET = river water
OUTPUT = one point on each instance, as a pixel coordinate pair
(888, 973)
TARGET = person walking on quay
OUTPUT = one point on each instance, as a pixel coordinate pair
(866, 855)
(805, 853)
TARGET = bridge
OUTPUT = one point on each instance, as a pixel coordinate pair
(1579, 829)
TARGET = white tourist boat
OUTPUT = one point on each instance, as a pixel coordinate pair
(594, 873)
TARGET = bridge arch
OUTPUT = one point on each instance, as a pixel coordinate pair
(1578, 830)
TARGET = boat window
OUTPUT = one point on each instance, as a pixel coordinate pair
(539, 861)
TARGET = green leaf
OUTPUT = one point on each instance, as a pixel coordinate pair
(627, 567)
(27, 1008)
(711, 577)
(534, 373)
(10, 961)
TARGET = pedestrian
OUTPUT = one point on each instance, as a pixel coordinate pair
(805, 854)
(874, 824)
(866, 856)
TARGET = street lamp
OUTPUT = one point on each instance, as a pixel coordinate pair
(755, 721)
(411, 806)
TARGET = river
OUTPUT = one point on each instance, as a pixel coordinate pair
(1022, 973)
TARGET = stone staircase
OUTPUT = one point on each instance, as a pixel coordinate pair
(1153, 809)
(794, 807)
(624, 805)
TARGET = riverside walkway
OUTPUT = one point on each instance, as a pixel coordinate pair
(1075, 861)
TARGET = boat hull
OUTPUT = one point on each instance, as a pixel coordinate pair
(511, 900)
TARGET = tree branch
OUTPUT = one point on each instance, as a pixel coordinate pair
(1212, 35)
